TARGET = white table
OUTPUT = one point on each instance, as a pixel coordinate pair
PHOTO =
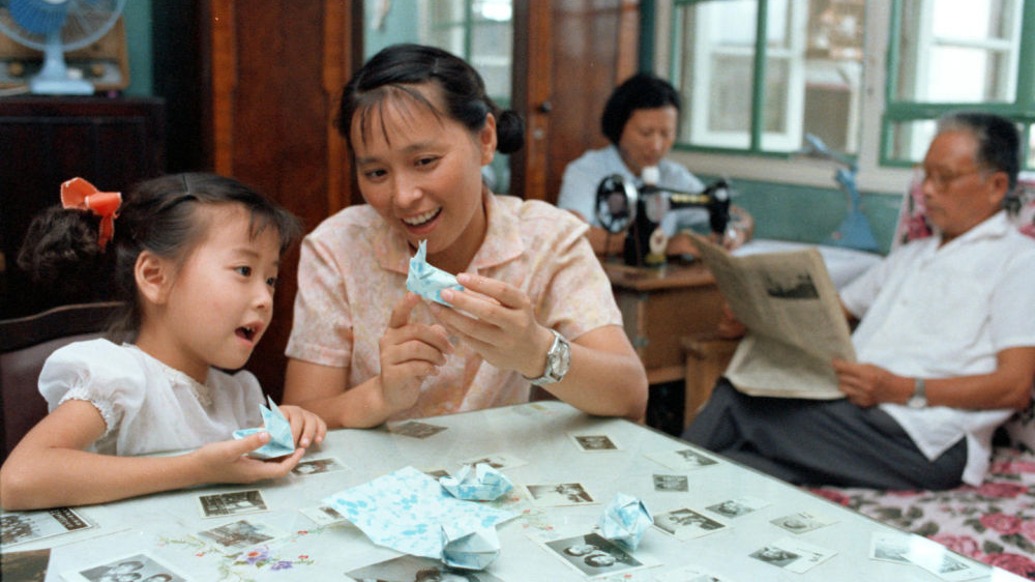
(165, 525)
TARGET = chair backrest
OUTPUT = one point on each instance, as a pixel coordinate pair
(25, 343)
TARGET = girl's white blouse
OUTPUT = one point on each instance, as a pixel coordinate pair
(147, 406)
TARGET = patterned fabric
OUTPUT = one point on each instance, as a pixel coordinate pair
(352, 272)
(993, 522)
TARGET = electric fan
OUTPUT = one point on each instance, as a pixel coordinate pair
(54, 27)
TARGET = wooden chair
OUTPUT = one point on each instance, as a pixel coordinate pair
(25, 343)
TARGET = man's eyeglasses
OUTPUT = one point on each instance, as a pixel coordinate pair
(942, 181)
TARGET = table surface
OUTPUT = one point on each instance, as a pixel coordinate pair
(166, 526)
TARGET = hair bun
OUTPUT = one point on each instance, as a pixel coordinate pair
(510, 132)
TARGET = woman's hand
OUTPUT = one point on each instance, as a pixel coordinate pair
(306, 427)
(865, 384)
(410, 352)
(497, 321)
(227, 461)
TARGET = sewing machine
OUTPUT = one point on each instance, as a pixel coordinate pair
(622, 206)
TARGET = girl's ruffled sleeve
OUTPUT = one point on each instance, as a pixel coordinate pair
(99, 372)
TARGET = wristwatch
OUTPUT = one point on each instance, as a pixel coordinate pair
(558, 360)
(919, 397)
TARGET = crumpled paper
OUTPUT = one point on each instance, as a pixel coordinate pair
(625, 520)
(481, 482)
(406, 511)
(426, 280)
(282, 442)
(470, 550)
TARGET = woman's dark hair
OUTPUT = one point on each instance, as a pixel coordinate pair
(641, 91)
(999, 140)
(159, 216)
(400, 69)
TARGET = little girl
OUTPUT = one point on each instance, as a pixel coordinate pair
(195, 259)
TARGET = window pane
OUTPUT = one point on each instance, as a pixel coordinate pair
(1031, 150)
(715, 69)
(909, 140)
(959, 52)
(813, 72)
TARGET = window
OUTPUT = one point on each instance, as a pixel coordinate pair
(949, 55)
(757, 76)
(876, 76)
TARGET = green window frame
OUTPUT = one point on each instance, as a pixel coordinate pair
(902, 116)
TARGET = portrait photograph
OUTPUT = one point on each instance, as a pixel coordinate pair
(555, 494)
(593, 555)
(416, 569)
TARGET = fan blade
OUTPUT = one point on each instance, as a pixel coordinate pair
(39, 16)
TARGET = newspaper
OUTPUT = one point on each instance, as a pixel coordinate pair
(795, 324)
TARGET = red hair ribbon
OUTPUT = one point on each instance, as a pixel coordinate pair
(78, 193)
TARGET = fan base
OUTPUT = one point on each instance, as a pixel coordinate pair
(38, 86)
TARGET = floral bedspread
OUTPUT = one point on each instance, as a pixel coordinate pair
(993, 523)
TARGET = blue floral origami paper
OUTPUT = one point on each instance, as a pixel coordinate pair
(470, 551)
(426, 280)
(281, 440)
(479, 483)
(625, 520)
(407, 510)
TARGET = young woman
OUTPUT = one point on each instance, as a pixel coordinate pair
(536, 307)
(195, 258)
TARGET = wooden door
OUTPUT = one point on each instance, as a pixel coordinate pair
(568, 57)
(276, 69)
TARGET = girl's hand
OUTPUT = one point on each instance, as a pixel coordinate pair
(227, 461)
(306, 428)
(410, 352)
(865, 384)
(503, 329)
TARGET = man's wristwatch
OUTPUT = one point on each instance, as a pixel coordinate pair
(919, 397)
(558, 360)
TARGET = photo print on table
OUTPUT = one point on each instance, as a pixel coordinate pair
(16, 528)
(739, 507)
(323, 515)
(417, 569)
(594, 443)
(593, 555)
(243, 534)
(792, 555)
(801, 522)
(682, 459)
(236, 503)
(415, 429)
(671, 483)
(686, 523)
(557, 494)
(315, 466)
(133, 567)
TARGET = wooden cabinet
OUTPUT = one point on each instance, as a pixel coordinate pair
(44, 141)
(659, 307)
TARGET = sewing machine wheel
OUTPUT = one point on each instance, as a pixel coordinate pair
(616, 203)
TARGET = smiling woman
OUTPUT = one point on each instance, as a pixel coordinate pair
(420, 128)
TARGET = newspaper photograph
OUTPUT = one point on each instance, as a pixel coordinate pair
(795, 324)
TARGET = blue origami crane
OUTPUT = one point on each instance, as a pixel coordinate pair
(426, 280)
(282, 442)
(625, 520)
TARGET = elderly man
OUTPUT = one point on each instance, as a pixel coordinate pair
(945, 343)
